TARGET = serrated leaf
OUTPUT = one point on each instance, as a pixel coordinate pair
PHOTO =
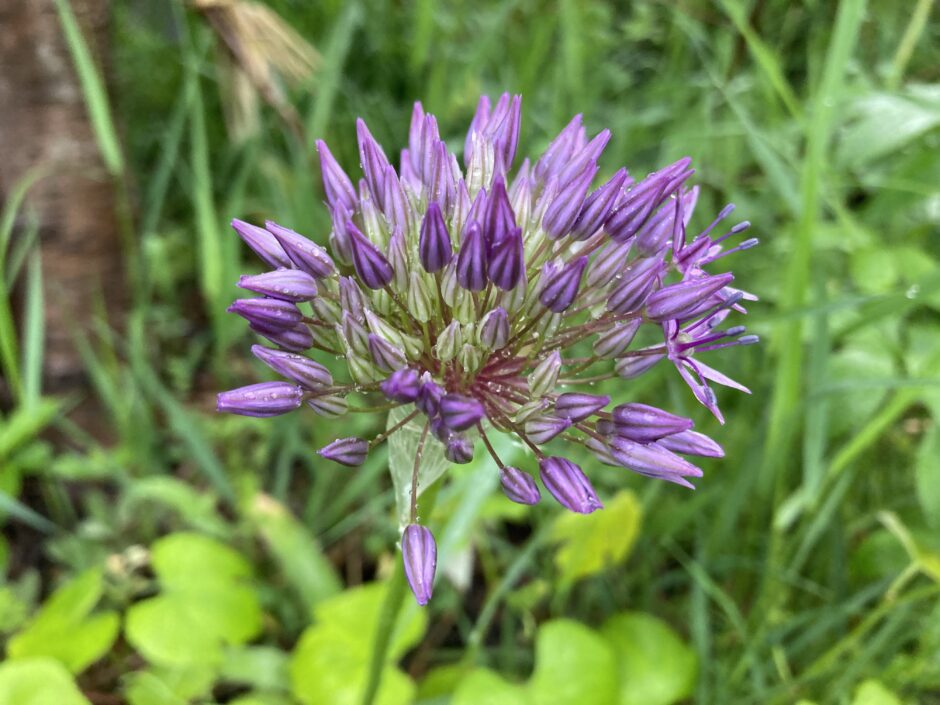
(38, 681)
(594, 542)
(402, 450)
(656, 667)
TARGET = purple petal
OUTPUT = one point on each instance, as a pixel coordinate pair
(261, 400)
(351, 452)
(569, 485)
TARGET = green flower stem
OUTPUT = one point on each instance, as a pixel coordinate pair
(388, 616)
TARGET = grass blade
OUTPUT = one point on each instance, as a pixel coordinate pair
(93, 90)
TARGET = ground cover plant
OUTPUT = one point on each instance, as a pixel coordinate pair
(186, 556)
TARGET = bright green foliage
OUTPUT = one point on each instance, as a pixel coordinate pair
(38, 681)
(872, 692)
(590, 543)
(633, 659)
(330, 661)
(299, 555)
(205, 602)
(65, 628)
(654, 665)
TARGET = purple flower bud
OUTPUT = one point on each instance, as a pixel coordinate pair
(458, 449)
(477, 124)
(639, 279)
(285, 284)
(506, 134)
(544, 428)
(686, 299)
(640, 203)
(262, 400)
(371, 265)
(296, 339)
(297, 368)
(304, 253)
(429, 396)
(471, 260)
(560, 290)
(519, 486)
(262, 243)
(494, 329)
(577, 406)
(615, 341)
(387, 357)
(569, 485)
(351, 452)
(395, 203)
(329, 405)
(339, 238)
(373, 161)
(337, 186)
(439, 430)
(460, 412)
(597, 207)
(635, 365)
(434, 248)
(601, 451)
(692, 443)
(559, 152)
(351, 298)
(652, 460)
(591, 152)
(643, 423)
(355, 333)
(608, 263)
(507, 261)
(476, 213)
(416, 128)
(498, 220)
(443, 184)
(419, 553)
(566, 206)
(272, 314)
(402, 386)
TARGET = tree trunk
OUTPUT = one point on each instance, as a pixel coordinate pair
(44, 122)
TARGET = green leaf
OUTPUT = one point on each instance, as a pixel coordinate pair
(927, 476)
(572, 660)
(484, 687)
(38, 681)
(594, 542)
(910, 116)
(63, 629)
(205, 603)
(331, 660)
(656, 667)
(402, 450)
(262, 667)
(297, 552)
(25, 424)
(872, 692)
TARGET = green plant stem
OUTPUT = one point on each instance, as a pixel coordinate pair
(388, 616)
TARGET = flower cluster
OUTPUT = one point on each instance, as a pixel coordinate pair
(473, 295)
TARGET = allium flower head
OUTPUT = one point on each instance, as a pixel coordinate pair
(487, 299)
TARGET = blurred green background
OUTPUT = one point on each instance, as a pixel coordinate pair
(166, 555)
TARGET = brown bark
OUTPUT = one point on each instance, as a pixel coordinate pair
(43, 121)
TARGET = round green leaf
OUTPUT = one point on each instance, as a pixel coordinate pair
(38, 681)
(573, 665)
(656, 667)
